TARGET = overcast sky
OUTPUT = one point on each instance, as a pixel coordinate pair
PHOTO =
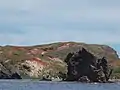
(30, 22)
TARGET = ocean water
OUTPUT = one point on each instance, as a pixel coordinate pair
(37, 85)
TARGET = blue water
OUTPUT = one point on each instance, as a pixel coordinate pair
(37, 85)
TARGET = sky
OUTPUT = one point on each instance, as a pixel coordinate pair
(32, 22)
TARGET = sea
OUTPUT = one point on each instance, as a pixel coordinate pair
(38, 85)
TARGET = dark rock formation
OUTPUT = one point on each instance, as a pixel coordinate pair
(9, 76)
(16, 76)
(6, 73)
(85, 67)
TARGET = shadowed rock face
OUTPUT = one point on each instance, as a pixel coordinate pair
(83, 66)
(6, 73)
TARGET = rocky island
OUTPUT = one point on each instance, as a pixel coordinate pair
(62, 61)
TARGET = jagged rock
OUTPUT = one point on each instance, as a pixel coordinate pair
(6, 73)
(16, 76)
(84, 66)
(84, 79)
(9, 76)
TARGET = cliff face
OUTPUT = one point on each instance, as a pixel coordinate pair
(85, 67)
(47, 61)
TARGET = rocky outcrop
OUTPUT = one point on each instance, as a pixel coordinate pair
(6, 73)
(9, 76)
(85, 67)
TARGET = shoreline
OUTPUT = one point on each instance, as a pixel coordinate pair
(114, 80)
(37, 80)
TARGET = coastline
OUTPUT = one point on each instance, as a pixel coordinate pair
(114, 80)
(39, 81)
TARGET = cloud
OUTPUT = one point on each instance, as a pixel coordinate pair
(46, 35)
(62, 10)
(26, 22)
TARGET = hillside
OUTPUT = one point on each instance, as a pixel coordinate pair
(48, 60)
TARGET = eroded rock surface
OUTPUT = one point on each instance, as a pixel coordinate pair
(6, 73)
(84, 66)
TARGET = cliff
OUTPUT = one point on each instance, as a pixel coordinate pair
(47, 61)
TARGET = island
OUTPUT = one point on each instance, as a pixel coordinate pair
(61, 61)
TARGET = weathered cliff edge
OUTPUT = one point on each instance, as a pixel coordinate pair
(48, 62)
